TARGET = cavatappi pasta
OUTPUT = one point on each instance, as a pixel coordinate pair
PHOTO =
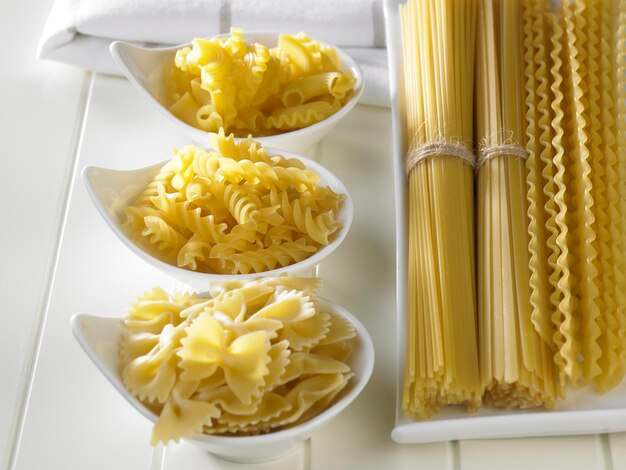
(234, 209)
(516, 363)
(441, 359)
(253, 89)
(255, 357)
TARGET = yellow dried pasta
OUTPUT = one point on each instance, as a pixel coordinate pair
(226, 365)
(612, 82)
(250, 88)
(441, 359)
(605, 194)
(618, 28)
(541, 228)
(585, 254)
(562, 317)
(234, 209)
(514, 369)
(576, 187)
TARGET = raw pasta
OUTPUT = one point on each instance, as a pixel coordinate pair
(252, 89)
(256, 357)
(233, 210)
(576, 191)
(516, 364)
(441, 359)
(550, 119)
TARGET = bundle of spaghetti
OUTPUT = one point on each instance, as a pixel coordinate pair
(441, 361)
(516, 364)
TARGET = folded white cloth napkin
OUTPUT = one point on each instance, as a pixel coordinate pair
(79, 32)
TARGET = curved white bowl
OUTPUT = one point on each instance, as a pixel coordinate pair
(112, 190)
(141, 66)
(99, 337)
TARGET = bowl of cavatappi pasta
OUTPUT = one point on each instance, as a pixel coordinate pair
(235, 211)
(287, 91)
(248, 370)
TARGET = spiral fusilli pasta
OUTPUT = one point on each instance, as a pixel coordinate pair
(233, 210)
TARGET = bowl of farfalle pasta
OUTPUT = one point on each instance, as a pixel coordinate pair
(236, 210)
(287, 91)
(247, 371)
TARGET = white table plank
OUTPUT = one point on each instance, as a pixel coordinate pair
(360, 275)
(188, 457)
(538, 453)
(75, 419)
(617, 444)
(38, 118)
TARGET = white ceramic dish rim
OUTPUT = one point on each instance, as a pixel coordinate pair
(181, 273)
(361, 381)
(583, 412)
(348, 63)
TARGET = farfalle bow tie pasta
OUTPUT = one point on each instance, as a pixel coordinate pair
(256, 357)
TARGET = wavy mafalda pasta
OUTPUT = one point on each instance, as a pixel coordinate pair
(233, 210)
(252, 89)
(256, 357)
(618, 42)
(576, 188)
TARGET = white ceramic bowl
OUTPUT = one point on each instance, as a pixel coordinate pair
(99, 337)
(113, 190)
(141, 65)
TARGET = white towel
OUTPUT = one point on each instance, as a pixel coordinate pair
(79, 32)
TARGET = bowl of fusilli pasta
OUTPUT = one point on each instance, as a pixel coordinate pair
(287, 91)
(237, 210)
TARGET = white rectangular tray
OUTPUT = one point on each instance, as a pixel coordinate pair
(583, 412)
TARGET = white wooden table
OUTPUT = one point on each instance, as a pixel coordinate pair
(58, 258)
